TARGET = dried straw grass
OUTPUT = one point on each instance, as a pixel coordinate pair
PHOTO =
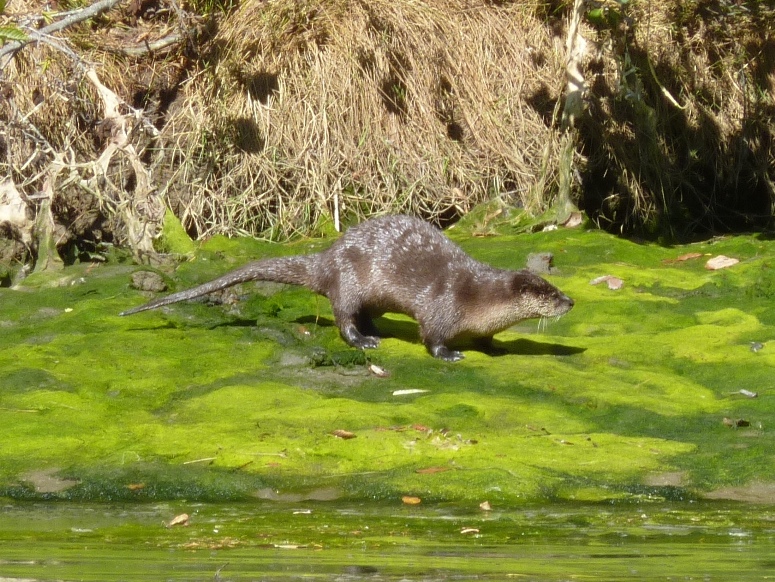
(295, 111)
(350, 108)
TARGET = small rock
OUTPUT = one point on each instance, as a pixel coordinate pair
(540, 263)
(614, 283)
(148, 281)
(720, 262)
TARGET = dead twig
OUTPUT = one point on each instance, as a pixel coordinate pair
(12, 48)
(146, 47)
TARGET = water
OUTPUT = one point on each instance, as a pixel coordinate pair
(317, 541)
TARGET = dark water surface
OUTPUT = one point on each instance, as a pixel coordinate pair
(316, 541)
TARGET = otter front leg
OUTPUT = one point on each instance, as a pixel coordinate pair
(484, 344)
(434, 336)
(442, 352)
(356, 339)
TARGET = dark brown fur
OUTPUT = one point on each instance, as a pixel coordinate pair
(401, 264)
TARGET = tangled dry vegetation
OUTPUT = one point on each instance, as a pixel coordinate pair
(274, 117)
(287, 113)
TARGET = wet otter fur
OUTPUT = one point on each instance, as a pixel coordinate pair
(401, 264)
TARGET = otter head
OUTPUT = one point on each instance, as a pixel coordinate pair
(534, 296)
(508, 299)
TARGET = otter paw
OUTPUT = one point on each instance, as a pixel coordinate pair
(365, 342)
(356, 339)
(444, 353)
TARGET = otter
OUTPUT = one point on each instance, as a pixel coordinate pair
(401, 264)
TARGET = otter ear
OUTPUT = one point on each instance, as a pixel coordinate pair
(520, 282)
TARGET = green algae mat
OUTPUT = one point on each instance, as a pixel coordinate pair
(657, 385)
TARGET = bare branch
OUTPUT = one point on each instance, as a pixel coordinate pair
(12, 47)
(576, 46)
(150, 47)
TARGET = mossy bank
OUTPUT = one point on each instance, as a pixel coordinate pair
(636, 392)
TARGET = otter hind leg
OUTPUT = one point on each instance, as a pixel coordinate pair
(350, 327)
(365, 324)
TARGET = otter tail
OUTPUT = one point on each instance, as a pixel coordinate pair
(295, 270)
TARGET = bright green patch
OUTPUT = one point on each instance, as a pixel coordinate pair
(210, 402)
(174, 238)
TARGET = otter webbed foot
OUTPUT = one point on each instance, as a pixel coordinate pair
(442, 352)
(356, 339)
(365, 342)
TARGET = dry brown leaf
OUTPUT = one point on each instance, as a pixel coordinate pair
(682, 258)
(343, 434)
(135, 486)
(573, 220)
(720, 262)
(410, 500)
(537, 429)
(614, 283)
(688, 256)
(378, 371)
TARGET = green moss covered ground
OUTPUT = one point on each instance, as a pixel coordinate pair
(625, 396)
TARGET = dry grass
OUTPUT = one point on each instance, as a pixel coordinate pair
(286, 114)
(349, 108)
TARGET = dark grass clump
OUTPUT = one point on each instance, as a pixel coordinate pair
(679, 139)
